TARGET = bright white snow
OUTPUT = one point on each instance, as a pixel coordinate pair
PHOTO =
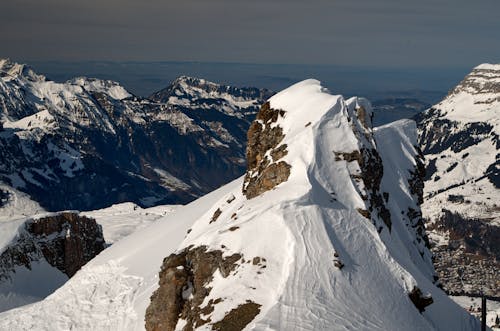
(297, 228)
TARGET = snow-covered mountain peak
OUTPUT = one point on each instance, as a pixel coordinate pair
(488, 66)
(285, 125)
(483, 79)
(199, 93)
(476, 98)
(11, 70)
(111, 88)
(307, 104)
(321, 218)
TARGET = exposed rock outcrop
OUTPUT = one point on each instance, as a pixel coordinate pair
(67, 241)
(419, 300)
(238, 318)
(369, 161)
(183, 280)
(264, 172)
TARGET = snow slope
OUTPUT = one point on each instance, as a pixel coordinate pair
(24, 286)
(119, 221)
(112, 291)
(293, 235)
(13, 213)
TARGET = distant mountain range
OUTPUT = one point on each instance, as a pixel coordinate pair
(141, 78)
(89, 143)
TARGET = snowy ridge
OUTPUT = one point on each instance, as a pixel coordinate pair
(97, 85)
(488, 66)
(119, 221)
(11, 70)
(300, 288)
(315, 251)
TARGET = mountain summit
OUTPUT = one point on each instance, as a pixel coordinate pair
(323, 232)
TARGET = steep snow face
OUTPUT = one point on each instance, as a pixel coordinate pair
(460, 139)
(88, 143)
(335, 245)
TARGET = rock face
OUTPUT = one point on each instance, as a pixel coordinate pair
(460, 140)
(87, 143)
(4, 196)
(419, 300)
(264, 170)
(370, 170)
(183, 288)
(66, 241)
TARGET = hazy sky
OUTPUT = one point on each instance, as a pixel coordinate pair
(345, 32)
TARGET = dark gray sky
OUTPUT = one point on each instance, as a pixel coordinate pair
(388, 33)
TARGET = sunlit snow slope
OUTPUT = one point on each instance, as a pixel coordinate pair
(332, 241)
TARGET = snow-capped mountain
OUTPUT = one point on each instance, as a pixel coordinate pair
(460, 139)
(88, 143)
(324, 232)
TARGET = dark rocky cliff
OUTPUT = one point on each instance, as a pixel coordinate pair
(67, 241)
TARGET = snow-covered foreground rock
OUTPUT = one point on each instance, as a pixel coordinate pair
(324, 232)
(460, 137)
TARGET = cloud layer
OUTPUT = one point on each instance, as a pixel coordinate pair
(343, 32)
